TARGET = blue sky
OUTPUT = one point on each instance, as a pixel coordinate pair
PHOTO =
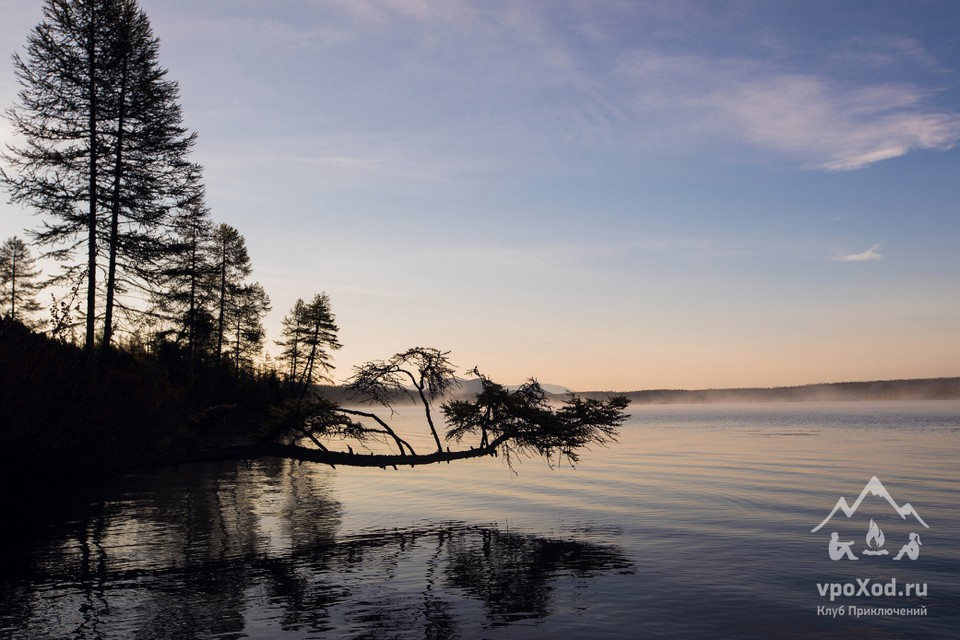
(602, 194)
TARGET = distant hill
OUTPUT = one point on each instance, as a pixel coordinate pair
(469, 388)
(555, 389)
(924, 389)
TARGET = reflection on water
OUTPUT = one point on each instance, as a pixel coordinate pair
(218, 552)
(696, 525)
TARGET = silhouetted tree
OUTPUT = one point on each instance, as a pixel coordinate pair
(105, 152)
(60, 116)
(231, 264)
(18, 280)
(291, 340)
(185, 297)
(428, 371)
(150, 173)
(245, 313)
(309, 335)
(523, 421)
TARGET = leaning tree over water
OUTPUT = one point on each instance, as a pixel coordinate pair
(524, 421)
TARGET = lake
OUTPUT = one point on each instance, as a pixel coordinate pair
(697, 524)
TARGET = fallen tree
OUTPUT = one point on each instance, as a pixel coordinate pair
(498, 421)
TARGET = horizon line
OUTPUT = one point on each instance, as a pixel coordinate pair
(731, 389)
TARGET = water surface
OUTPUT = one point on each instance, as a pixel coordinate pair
(697, 524)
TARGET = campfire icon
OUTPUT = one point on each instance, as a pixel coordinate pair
(875, 538)
(875, 541)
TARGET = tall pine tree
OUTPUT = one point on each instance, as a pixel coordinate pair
(245, 314)
(185, 298)
(105, 158)
(151, 175)
(231, 268)
(18, 281)
(291, 340)
(308, 336)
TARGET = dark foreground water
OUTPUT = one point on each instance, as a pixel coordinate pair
(696, 525)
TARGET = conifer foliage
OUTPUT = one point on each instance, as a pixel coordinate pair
(106, 157)
(18, 281)
(309, 336)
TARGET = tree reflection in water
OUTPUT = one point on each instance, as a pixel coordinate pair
(256, 551)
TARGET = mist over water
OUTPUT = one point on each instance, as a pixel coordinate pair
(697, 524)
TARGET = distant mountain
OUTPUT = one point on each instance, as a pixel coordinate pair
(469, 388)
(556, 389)
(922, 389)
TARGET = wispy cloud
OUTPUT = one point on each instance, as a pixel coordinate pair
(517, 87)
(421, 10)
(516, 259)
(870, 255)
(835, 127)
(818, 121)
(880, 51)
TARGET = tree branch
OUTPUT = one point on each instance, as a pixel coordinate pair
(332, 458)
(401, 443)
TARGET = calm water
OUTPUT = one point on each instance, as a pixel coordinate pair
(696, 525)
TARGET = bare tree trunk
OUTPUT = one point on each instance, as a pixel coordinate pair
(192, 309)
(311, 359)
(115, 210)
(426, 409)
(295, 353)
(236, 349)
(400, 442)
(333, 458)
(89, 342)
(13, 284)
(223, 299)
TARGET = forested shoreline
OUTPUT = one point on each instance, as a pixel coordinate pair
(153, 350)
(889, 390)
(143, 330)
(132, 324)
(136, 411)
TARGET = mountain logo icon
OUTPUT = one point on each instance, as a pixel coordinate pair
(874, 488)
(839, 550)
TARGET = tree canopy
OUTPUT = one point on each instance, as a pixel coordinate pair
(519, 422)
(309, 336)
(18, 280)
(106, 156)
(104, 159)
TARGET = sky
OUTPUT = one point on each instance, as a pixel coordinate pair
(603, 194)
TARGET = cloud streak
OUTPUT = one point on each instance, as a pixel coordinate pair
(591, 88)
(809, 118)
(870, 255)
(838, 128)
(522, 88)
